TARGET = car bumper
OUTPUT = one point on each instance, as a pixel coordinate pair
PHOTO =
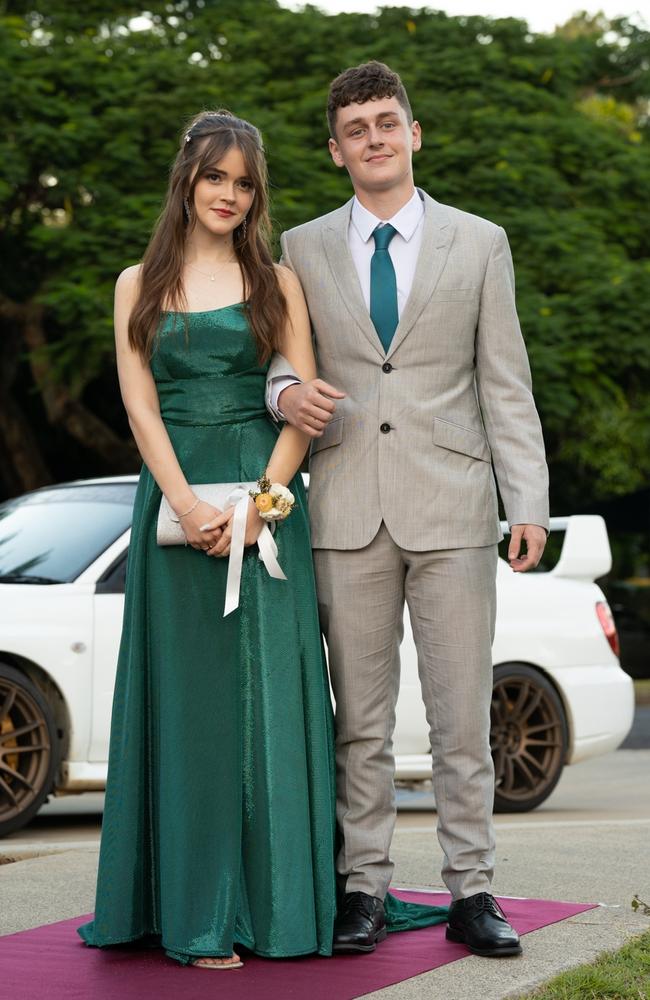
(82, 776)
(599, 702)
(413, 767)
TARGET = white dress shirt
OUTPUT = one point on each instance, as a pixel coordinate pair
(404, 249)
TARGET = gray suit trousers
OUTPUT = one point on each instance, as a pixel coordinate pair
(451, 597)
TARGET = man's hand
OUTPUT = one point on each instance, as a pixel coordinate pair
(309, 406)
(535, 538)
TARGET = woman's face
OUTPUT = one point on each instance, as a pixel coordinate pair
(223, 194)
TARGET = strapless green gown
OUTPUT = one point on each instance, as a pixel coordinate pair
(219, 816)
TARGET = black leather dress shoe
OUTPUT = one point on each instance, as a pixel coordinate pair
(480, 923)
(360, 924)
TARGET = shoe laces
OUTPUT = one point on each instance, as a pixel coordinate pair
(357, 901)
(486, 901)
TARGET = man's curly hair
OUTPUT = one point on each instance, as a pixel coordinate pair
(367, 82)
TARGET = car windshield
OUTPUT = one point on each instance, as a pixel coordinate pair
(52, 535)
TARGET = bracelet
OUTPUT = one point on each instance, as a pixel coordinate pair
(274, 501)
(186, 512)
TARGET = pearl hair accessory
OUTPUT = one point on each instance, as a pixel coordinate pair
(208, 114)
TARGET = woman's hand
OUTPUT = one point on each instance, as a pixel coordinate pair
(254, 525)
(204, 513)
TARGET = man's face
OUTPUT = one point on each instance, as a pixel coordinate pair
(375, 143)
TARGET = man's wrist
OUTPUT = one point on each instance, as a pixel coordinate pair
(275, 390)
(278, 406)
(532, 524)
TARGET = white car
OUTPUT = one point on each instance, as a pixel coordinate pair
(560, 695)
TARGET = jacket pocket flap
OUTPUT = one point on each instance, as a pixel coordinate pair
(455, 294)
(332, 435)
(462, 439)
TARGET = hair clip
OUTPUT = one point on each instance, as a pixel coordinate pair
(188, 137)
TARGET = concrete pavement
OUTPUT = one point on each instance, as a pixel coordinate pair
(594, 851)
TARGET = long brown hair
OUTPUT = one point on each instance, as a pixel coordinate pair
(204, 142)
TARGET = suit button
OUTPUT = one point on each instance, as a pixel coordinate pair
(387, 367)
(384, 428)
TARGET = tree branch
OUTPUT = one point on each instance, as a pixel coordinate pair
(60, 406)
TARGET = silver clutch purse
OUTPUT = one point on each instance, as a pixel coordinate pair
(223, 495)
(169, 531)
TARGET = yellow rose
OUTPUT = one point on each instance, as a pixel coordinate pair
(263, 502)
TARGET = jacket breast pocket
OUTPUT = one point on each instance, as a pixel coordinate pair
(332, 435)
(455, 294)
(455, 437)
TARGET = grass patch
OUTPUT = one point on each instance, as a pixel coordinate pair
(642, 691)
(616, 975)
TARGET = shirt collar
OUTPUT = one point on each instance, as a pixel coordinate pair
(405, 221)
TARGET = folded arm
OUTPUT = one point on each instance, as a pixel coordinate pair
(307, 404)
(296, 348)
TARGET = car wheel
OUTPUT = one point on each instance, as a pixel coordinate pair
(29, 749)
(529, 737)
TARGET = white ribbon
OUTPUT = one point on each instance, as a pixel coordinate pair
(268, 550)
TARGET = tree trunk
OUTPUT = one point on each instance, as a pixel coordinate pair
(61, 407)
(23, 466)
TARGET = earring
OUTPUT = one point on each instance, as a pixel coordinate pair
(244, 228)
(186, 206)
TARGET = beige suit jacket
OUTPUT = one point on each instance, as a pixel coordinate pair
(425, 426)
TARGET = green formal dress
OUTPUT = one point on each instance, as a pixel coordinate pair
(219, 818)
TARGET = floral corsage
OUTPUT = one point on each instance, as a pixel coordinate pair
(274, 501)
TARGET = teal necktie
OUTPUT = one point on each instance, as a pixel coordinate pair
(383, 286)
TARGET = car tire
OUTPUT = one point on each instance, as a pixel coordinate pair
(29, 749)
(528, 736)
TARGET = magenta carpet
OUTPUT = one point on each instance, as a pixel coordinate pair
(52, 962)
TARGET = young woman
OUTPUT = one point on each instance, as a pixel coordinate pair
(219, 823)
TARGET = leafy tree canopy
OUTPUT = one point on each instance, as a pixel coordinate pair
(546, 135)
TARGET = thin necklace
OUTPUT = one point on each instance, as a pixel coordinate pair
(212, 276)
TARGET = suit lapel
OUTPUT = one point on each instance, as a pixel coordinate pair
(337, 250)
(437, 237)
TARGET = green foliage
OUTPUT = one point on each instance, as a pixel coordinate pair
(546, 135)
(620, 975)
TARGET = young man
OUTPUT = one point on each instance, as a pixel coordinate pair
(425, 387)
